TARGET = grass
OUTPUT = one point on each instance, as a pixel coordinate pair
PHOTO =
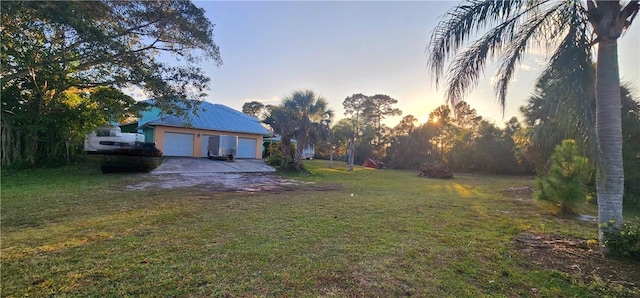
(73, 231)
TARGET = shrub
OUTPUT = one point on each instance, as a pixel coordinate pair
(435, 170)
(626, 242)
(567, 178)
(276, 158)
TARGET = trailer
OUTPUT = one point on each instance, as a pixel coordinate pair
(222, 147)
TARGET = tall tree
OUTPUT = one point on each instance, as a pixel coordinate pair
(376, 109)
(441, 120)
(405, 126)
(282, 122)
(342, 132)
(547, 127)
(49, 47)
(354, 107)
(572, 29)
(252, 108)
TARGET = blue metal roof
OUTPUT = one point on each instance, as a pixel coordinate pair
(209, 116)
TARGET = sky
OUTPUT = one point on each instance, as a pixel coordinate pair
(336, 49)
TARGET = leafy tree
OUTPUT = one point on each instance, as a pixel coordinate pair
(493, 150)
(281, 121)
(548, 125)
(409, 151)
(342, 133)
(554, 113)
(52, 47)
(252, 108)
(60, 129)
(354, 107)
(464, 116)
(406, 125)
(376, 109)
(441, 119)
(631, 147)
(513, 129)
(461, 135)
(566, 181)
(572, 29)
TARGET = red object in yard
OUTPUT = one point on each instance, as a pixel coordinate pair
(373, 163)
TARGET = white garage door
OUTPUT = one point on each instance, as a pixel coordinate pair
(178, 144)
(246, 148)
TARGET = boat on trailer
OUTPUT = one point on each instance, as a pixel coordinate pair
(122, 152)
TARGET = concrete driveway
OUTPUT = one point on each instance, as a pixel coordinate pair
(185, 165)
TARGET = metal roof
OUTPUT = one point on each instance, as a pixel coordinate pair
(211, 117)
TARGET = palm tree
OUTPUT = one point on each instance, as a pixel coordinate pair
(281, 121)
(300, 117)
(572, 29)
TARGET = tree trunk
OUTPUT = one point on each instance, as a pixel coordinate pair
(610, 179)
(352, 153)
(331, 156)
(297, 157)
(7, 152)
(285, 145)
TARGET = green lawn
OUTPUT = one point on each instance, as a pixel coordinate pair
(73, 231)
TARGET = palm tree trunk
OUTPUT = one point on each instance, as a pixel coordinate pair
(610, 179)
(285, 145)
(297, 157)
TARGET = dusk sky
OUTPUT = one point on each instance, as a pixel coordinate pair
(336, 49)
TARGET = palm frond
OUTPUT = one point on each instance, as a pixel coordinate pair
(570, 79)
(468, 66)
(560, 13)
(463, 22)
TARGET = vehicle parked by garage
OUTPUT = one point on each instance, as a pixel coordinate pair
(222, 147)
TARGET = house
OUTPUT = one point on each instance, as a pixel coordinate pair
(307, 153)
(189, 136)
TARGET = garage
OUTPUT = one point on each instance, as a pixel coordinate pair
(178, 144)
(246, 148)
(188, 135)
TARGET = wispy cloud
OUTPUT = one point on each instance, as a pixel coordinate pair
(273, 100)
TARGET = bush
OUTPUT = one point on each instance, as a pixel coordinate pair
(567, 179)
(626, 242)
(632, 190)
(435, 170)
(275, 157)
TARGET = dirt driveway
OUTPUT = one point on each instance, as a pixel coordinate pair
(248, 175)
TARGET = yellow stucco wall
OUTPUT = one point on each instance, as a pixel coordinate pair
(199, 137)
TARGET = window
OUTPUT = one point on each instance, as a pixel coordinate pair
(103, 132)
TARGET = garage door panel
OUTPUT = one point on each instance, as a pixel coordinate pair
(247, 148)
(178, 144)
